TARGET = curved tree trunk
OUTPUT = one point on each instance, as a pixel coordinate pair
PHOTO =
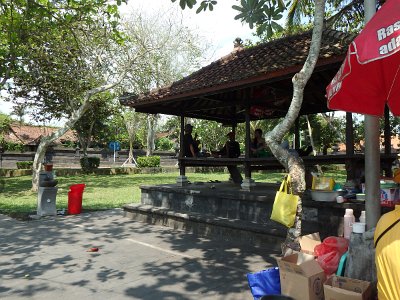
(294, 165)
(151, 124)
(46, 141)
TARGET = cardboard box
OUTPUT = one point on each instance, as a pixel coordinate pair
(343, 288)
(301, 277)
(308, 242)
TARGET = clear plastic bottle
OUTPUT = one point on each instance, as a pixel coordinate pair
(362, 217)
(349, 219)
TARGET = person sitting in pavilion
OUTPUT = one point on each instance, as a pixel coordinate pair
(231, 149)
(190, 146)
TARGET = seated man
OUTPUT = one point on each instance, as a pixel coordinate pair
(232, 150)
(190, 146)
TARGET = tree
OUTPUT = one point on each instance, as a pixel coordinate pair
(93, 122)
(265, 14)
(175, 52)
(131, 120)
(5, 123)
(55, 56)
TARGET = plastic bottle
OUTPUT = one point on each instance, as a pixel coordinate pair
(349, 219)
(362, 217)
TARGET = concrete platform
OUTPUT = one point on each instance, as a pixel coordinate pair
(48, 259)
(220, 210)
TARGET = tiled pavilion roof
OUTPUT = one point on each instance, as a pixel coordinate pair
(31, 135)
(257, 77)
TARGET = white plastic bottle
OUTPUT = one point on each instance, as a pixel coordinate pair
(362, 217)
(349, 219)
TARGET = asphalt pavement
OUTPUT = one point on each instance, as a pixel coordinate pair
(56, 258)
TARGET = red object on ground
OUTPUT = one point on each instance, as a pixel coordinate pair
(93, 249)
(75, 198)
(370, 75)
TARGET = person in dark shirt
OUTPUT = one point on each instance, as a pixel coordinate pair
(231, 148)
(190, 146)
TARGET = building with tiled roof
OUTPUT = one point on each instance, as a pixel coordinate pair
(30, 135)
(256, 78)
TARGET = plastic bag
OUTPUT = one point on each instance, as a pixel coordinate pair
(332, 243)
(329, 262)
(285, 204)
(329, 253)
(339, 243)
(265, 282)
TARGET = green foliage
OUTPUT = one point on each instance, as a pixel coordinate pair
(342, 15)
(11, 146)
(92, 127)
(48, 50)
(24, 164)
(148, 161)
(5, 122)
(88, 164)
(164, 144)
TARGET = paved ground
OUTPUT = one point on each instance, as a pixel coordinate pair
(48, 259)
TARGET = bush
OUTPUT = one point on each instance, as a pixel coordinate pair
(11, 146)
(148, 161)
(164, 144)
(24, 164)
(89, 164)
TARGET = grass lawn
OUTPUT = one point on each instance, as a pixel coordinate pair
(107, 191)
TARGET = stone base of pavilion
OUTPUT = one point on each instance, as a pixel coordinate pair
(225, 211)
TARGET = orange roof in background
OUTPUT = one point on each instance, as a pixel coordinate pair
(30, 135)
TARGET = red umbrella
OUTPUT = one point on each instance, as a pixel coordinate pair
(370, 75)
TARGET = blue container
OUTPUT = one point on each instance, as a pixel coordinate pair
(265, 282)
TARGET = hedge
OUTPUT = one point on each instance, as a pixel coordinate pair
(24, 164)
(148, 161)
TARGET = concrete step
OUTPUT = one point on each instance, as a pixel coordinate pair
(259, 235)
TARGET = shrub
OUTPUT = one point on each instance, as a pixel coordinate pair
(11, 146)
(89, 164)
(148, 161)
(164, 144)
(24, 164)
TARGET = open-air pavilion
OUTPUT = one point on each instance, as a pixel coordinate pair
(245, 85)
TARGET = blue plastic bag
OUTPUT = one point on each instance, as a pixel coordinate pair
(265, 282)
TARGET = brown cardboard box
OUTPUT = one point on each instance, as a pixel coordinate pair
(308, 242)
(301, 277)
(343, 288)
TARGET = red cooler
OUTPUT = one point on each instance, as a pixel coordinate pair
(75, 198)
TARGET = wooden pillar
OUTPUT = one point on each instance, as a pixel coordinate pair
(247, 183)
(349, 134)
(387, 167)
(387, 133)
(182, 179)
(247, 171)
(351, 166)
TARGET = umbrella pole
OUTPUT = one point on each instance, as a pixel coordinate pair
(372, 152)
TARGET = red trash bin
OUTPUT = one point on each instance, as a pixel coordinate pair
(75, 198)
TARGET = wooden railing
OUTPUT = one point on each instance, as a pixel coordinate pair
(353, 162)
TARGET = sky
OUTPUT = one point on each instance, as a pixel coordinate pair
(218, 27)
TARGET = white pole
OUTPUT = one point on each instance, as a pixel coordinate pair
(114, 151)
